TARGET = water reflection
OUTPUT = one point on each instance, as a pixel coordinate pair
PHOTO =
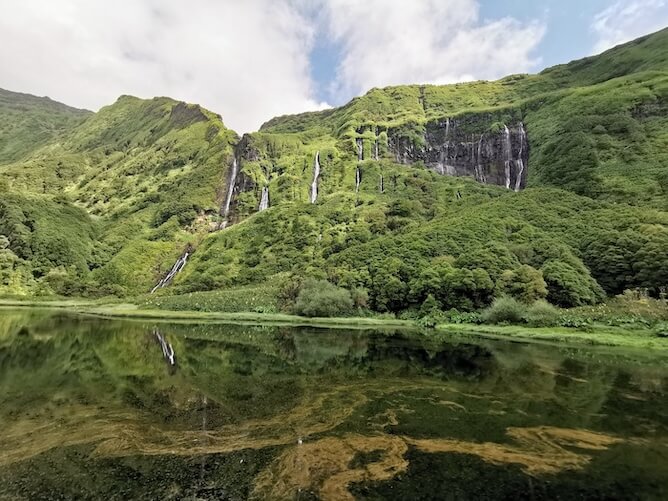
(167, 350)
(281, 413)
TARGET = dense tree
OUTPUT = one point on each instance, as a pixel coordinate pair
(524, 283)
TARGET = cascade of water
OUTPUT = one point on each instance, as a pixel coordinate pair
(178, 266)
(446, 158)
(481, 171)
(382, 186)
(358, 179)
(507, 154)
(520, 159)
(316, 175)
(264, 200)
(360, 148)
(230, 188)
(375, 150)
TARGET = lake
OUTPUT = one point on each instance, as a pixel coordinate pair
(94, 408)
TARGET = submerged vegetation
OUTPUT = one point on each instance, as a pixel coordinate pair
(101, 205)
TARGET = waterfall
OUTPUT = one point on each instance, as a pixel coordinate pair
(375, 150)
(178, 266)
(481, 170)
(358, 179)
(507, 154)
(520, 159)
(360, 149)
(230, 188)
(316, 175)
(264, 201)
(382, 186)
(167, 349)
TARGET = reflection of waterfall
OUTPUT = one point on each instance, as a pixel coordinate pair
(316, 175)
(167, 350)
(264, 201)
(360, 149)
(382, 187)
(520, 160)
(230, 188)
(507, 154)
(178, 266)
(358, 179)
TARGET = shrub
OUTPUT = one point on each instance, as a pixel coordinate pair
(661, 329)
(525, 283)
(430, 306)
(320, 298)
(360, 298)
(184, 211)
(542, 314)
(504, 310)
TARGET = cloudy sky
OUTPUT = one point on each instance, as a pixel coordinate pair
(254, 59)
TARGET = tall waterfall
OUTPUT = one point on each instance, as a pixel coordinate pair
(178, 266)
(507, 154)
(443, 166)
(360, 148)
(358, 179)
(316, 175)
(230, 188)
(520, 160)
(375, 149)
(480, 174)
(264, 201)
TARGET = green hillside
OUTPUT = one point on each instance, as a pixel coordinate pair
(556, 188)
(29, 122)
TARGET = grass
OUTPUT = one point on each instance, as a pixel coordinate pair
(593, 335)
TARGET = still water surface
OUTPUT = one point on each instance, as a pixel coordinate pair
(108, 409)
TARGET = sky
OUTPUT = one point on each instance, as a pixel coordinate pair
(252, 60)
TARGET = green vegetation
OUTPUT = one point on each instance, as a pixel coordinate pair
(29, 122)
(103, 204)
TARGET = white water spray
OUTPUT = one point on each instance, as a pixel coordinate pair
(316, 175)
(481, 170)
(358, 179)
(520, 160)
(507, 154)
(230, 188)
(264, 200)
(178, 266)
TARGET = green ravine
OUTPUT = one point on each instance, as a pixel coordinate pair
(432, 203)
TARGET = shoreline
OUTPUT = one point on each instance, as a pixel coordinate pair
(596, 335)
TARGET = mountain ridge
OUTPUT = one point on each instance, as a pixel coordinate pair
(415, 178)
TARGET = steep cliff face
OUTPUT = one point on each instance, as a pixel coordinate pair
(491, 153)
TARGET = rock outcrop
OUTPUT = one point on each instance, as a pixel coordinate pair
(492, 153)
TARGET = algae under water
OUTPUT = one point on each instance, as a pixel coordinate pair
(129, 409)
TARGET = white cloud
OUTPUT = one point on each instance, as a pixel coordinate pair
(246, 60)
(249, 60)
(625, 20)
(390, 42)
